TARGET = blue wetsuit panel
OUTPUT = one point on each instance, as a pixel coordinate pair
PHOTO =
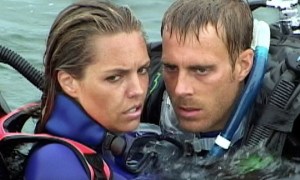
(53, 162)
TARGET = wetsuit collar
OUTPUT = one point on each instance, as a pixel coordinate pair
(69, 120)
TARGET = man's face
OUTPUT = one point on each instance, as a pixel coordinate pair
(200, 79)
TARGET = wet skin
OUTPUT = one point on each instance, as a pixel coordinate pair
(114, 87)
(200, 80)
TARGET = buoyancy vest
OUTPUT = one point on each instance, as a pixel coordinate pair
(15, 145)
(105, 156)
(277, 108)
(85, 142)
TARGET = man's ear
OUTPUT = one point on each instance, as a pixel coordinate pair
(68, 84)
(245, 63)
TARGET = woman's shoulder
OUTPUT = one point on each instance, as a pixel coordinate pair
(54, 161)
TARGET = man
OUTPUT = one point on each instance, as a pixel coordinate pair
(206, 58)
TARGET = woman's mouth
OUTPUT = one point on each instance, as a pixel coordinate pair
(134, 112)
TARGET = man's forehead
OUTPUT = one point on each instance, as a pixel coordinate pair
(193, 35)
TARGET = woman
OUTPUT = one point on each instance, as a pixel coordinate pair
(96, 74)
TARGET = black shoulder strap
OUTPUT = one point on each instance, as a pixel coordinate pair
(96, 162)
(151, 112)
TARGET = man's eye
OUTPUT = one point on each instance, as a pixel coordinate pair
(113, 78)
(169, 68)
(201, 71)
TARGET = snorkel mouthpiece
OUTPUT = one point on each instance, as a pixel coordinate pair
(260, 43)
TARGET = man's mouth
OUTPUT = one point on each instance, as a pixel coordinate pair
(188, 112)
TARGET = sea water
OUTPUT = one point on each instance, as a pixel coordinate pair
(24, 25)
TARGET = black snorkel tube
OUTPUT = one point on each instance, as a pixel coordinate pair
(13, 59)
(262, 42)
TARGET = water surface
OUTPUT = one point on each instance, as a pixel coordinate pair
(24, 25)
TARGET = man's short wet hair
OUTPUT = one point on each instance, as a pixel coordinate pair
(232, 19)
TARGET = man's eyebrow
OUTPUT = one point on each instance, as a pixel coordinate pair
(167, 64)
(209, 66)
(192, 67)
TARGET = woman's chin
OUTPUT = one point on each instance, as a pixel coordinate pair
(131, 126)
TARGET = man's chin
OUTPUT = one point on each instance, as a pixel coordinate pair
(190, 126)
(197, 127)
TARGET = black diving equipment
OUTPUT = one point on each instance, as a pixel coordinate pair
(140, 152)
(13, 59)
(281, 108)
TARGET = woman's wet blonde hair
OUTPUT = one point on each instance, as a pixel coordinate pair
(68, 48)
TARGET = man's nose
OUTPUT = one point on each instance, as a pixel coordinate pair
(183, 86)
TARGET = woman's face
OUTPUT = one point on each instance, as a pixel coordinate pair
(114, 88)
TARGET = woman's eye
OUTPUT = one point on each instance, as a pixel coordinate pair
(113, 78)
(143, 70)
